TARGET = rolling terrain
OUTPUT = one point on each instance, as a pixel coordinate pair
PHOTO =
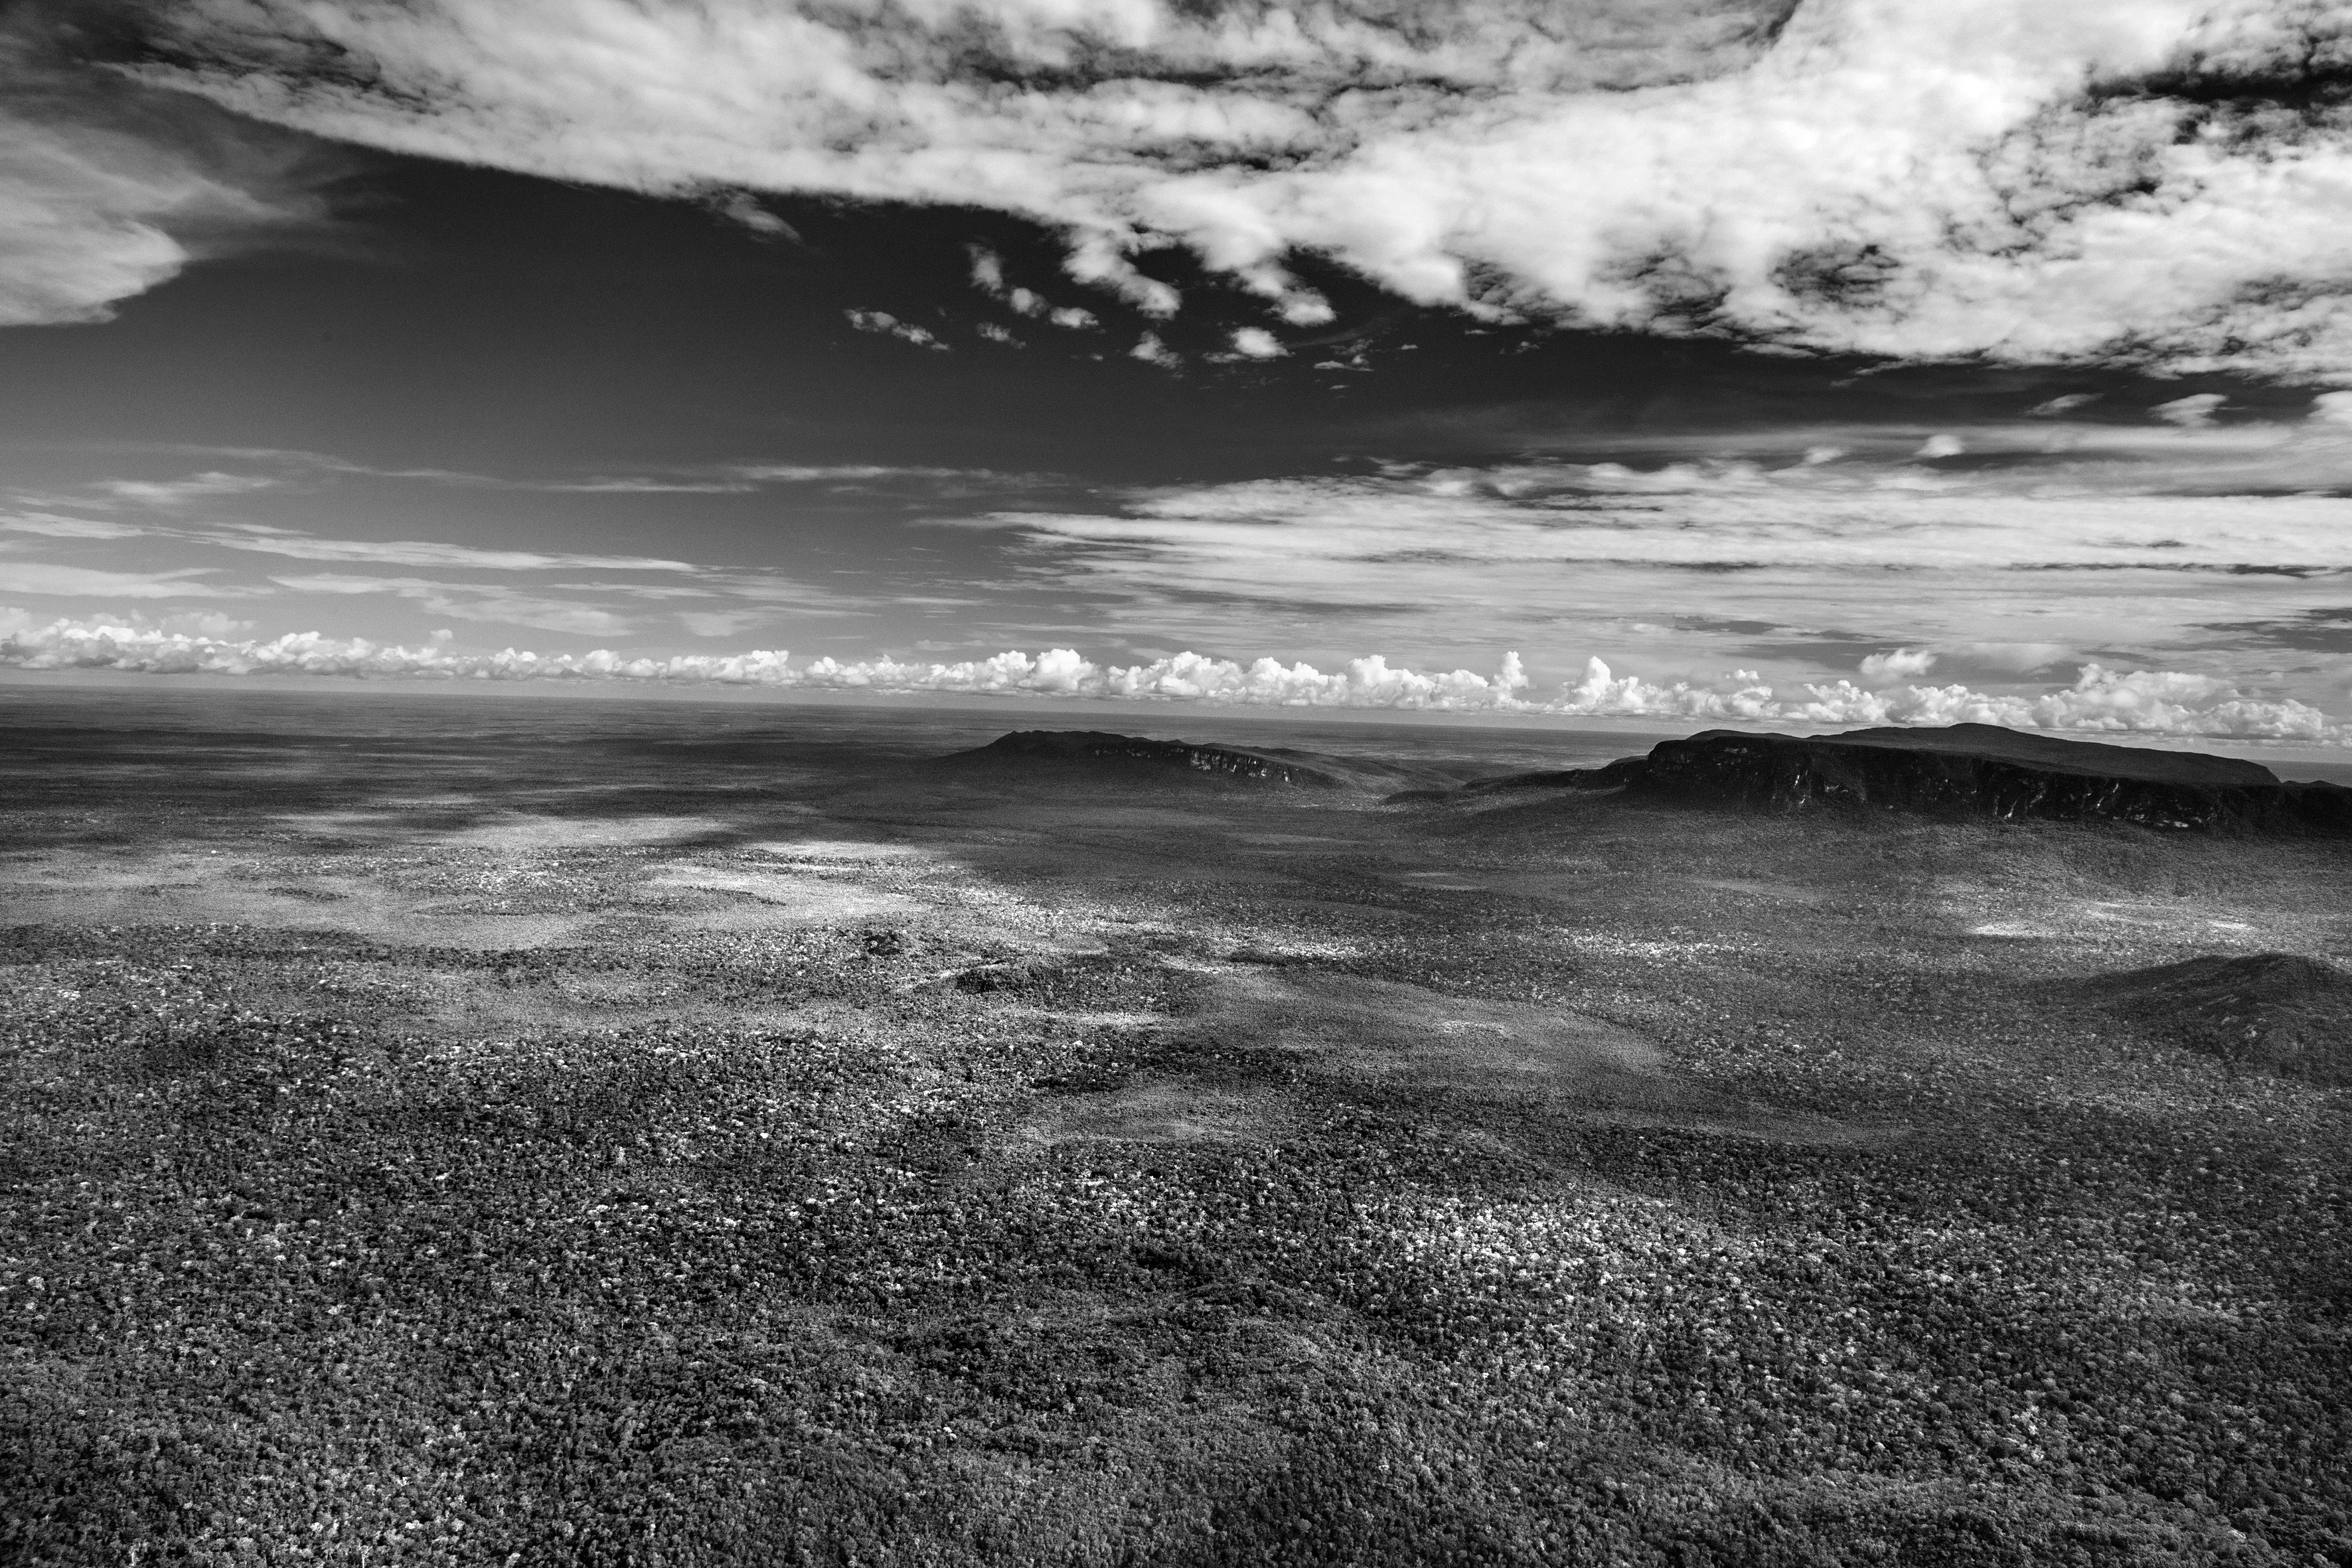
(440, 1132)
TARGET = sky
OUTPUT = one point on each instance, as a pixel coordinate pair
(1843, 362)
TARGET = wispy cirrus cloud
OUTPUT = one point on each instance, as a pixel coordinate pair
(106, 191)
(50, 525)
(299, 470)
(430, 553)
(472, 602)
(2119, 547)
(51, 579)
(2142, 181)
(179, 492)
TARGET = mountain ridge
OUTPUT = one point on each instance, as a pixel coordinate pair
(1966, 770)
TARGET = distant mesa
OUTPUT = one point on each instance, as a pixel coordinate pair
(2264, 1011)
(1101, 753)
(1964, 770)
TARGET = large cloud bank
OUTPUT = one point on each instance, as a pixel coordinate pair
(2164, 182)
(2137, 703)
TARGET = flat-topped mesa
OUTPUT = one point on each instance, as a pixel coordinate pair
(1973, 770)
(1098, 748)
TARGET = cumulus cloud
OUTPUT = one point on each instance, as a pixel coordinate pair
(988, 276)
(2030, 180)
(1901, 665)
(2140, 702)
(888, 325)
(1151, 351)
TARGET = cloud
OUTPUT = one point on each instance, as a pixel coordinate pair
(988, 276)
(52, 526)
(209, 623)
(2013, 659)
(2140, 702)
(1274, 533)
(857, 473)
(2332, 408)
(2141, 181)
(891, 326)
(106, 193)
(720, 623)
(472, 602)
(632, 485)
(2194, 412)
(732, 479)
(1901, 665)
(1151, 351)
(431, 553)
(179, 492)
(1880, 552)
(89, 582)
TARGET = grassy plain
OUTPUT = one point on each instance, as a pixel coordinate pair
(519, 1134)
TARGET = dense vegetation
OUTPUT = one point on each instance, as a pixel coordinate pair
(1029, 1219)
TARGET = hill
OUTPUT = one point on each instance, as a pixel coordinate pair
(1101, 756)
(1965, 770)
(2270, 1012)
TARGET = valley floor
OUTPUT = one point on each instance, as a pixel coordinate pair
(650, 1138)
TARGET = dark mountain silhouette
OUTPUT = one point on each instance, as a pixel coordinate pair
(1964, 770)
(1099, 753)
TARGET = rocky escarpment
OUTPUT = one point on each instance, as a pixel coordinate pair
(1101, 751)
(1971, 770)
(2261, 1012)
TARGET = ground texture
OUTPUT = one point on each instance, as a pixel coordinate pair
(647, 1136)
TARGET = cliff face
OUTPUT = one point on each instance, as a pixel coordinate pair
(1977, 770)
(1100, 748)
